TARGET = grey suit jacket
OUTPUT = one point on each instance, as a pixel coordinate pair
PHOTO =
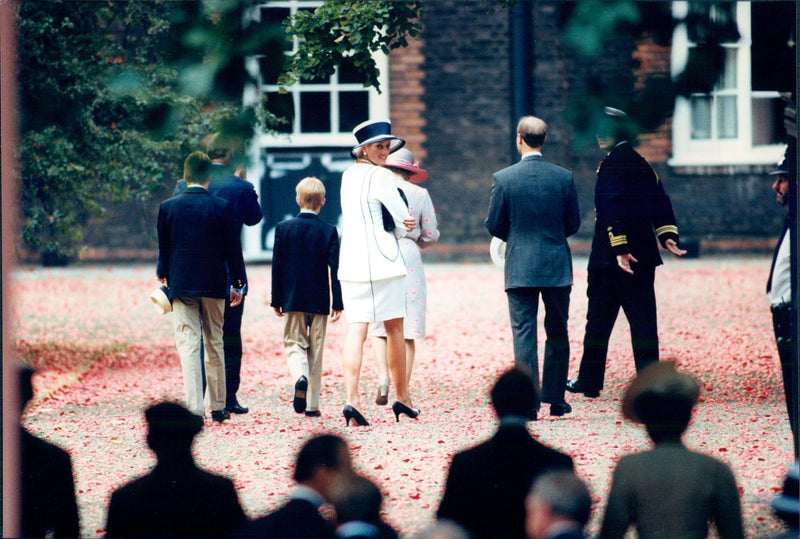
(534, 208)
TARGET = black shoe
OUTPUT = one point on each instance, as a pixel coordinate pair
(300, 388)
(400, 408)
(238, 409)
(533, 415)
(560, 408)
(220, 415)
(351, 413)
(576, 386)
(313, 413)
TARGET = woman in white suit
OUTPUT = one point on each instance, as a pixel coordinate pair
(371, 267)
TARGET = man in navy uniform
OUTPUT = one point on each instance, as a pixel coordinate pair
(632, 210)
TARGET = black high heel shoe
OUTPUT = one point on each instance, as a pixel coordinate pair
(351, 413)
(400, 408)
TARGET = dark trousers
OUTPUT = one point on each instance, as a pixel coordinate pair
(523, 306)
(232, 344)
(782, 324)
(609, 289)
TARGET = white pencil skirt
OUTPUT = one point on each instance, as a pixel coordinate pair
(374, 301)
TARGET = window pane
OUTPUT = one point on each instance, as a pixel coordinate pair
(768, 125)
(273, 18)
(349, 75)
(772, 53)
(270, 67)
(273, 14)
(727, 80)
(281, 105)
(726, 117)
(701, 117)
(315, 112)
(353, 109)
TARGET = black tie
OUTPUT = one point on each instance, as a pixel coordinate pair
(775, 255)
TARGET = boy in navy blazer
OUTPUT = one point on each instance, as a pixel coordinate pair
(305, 248)
(198, 244)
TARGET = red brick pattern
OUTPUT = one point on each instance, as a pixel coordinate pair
(406, 89)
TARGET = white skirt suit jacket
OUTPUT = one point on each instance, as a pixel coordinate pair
(368, 253)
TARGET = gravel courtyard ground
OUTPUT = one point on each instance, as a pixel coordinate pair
(105, 354)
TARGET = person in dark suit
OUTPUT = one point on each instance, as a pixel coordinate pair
(198, 245)
(487, 484)
(176, 499)
(558, 507)
(305, 248)
(246, 210)
(534, 208)
(779, 288)
(47, 489)
(632, 210)
(321, 464)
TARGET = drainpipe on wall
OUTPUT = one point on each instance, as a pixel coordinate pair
(520, 54)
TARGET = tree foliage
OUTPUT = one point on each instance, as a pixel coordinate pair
(82, 141)
(355, 31)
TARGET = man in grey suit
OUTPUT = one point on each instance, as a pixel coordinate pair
(534, 208)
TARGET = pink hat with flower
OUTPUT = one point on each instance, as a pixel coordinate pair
(404, 160)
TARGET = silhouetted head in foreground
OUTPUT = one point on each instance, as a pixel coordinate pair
(513, 394)
(171, 429)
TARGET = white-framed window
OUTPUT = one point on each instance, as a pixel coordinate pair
(740, 121)
(323, 112)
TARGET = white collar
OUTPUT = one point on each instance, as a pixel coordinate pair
(530, 153)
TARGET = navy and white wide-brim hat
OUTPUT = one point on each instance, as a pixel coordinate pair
(375, 131)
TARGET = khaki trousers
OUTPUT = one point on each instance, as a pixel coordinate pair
(199, 319)
(304, 339)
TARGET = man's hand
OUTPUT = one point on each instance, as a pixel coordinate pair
(673, 248)
(236, 299)
(410, 223)
(624, 262)
(335, 315)
(278, 311)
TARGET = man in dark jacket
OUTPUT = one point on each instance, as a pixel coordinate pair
(243, 199)
(47, 488)
(534, 208)
(487, 485)
(632, 210)
(176, 499)
(321, 463)
(198, 246)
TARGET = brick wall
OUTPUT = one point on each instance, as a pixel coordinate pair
(406, 89)
(467, 112)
